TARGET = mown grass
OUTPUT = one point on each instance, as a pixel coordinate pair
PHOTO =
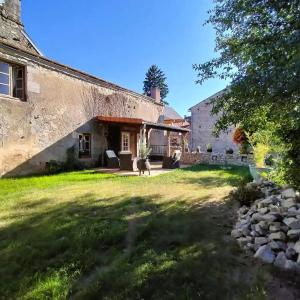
(87, 235)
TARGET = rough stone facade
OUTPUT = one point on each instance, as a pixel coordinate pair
(202, 126)
(60, 103)
(11, 28)
(11, 9)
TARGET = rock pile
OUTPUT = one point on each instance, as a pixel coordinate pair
(270, 228)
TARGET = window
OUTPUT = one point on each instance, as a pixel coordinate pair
(84, 145)
(4, 78)
(12, 80)
(125, 147)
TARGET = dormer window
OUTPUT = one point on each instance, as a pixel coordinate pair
(12, 80)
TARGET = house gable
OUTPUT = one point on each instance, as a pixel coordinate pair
(11, 28)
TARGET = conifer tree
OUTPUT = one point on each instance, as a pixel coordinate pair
(155, 77)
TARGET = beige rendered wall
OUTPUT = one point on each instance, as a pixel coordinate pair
(58, 108)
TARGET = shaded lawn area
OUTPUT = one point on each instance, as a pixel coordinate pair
(87, 235)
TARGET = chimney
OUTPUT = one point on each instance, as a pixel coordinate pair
(11, 9)
(155, 94)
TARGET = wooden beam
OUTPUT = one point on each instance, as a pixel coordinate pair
(119, 120)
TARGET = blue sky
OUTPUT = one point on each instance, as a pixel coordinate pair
(118, 40)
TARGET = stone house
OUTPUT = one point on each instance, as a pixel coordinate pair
(47, 108)
(202, 127)
(162, 139)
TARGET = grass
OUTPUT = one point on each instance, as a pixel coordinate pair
(86, 235)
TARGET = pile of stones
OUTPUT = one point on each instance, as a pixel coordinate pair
(270, 228)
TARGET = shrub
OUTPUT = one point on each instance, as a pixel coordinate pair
(239, 136)
(54, 167)
(260, 152)
(246, 194)
(71, 162)
(269, 160)
(243, 149)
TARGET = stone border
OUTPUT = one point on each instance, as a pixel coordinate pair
(270, 228)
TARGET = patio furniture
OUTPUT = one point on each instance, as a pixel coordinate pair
(172, 162)
(112, 160)
(126, 161)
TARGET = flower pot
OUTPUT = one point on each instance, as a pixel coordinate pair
(143, 164)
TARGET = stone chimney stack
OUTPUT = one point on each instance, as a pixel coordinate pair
(11, 9)
(155, 94)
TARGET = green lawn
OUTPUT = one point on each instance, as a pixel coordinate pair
(87, 235)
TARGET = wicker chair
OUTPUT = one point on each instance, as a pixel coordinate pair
(112, 160)
(126, 161)
(172, 162)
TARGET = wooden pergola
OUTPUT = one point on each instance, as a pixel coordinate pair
(145, 127)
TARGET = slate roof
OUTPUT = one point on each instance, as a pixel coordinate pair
(171, 114)
(12, 33)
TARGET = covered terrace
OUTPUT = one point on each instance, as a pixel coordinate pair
(124, 136)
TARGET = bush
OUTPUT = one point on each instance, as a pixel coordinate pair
(245, 148)
(72, 164)
(260, 152)
(246, 194)
(54, 167)
(269, 160)
(239, 136)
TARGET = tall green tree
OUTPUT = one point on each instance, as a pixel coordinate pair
(258, 46)
(155, 77)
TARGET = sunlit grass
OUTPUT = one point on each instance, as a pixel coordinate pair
(90, 235)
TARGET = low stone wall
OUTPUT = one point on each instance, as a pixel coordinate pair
(216, 159)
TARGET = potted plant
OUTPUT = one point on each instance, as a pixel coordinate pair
(143, 161)
(209, 148)
(229, 151)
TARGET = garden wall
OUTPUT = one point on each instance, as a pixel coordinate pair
(217, 159)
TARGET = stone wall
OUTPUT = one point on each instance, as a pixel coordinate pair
(216, 159)
(61, 103)
(11, 9)
(202, 126)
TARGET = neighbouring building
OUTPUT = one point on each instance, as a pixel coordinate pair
(47, 108)
(162, 139)
(202, 127)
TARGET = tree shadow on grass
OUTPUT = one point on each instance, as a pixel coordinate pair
(123, 248)
(221, 176)
(211, 181)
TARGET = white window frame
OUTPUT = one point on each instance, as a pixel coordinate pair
(9, 74)
(125, 135)
(11, 80)
(82, 140)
